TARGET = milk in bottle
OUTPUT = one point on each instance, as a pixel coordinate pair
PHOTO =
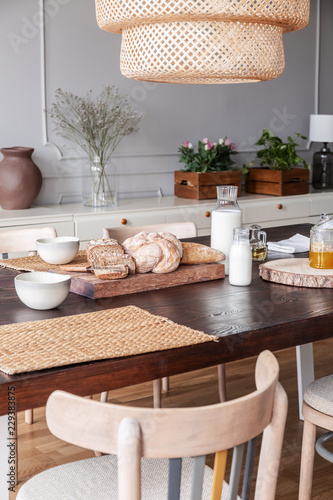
(240, 258)
(225, 217)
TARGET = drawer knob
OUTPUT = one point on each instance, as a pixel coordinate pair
(279, 206)
(207, 214)
(123, 221)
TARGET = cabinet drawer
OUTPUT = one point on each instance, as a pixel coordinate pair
(321, 203)
(64, 228)
(201, 216)
(91, 227)
(279, 209)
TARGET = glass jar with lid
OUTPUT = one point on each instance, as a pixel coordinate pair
(321, 243)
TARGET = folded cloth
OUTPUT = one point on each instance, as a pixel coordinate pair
(296, 244)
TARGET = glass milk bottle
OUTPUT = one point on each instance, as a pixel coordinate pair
(240, 258)
(225, 217)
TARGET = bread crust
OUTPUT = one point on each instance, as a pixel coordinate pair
(173, 239)
(170, 255)
(196, 253)
(155, 252)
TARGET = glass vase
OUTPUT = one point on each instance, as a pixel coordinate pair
(99, 184)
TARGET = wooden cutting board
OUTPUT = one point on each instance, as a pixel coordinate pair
(296, 272)
(88, 285)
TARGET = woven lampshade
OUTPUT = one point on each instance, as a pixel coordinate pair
(202, 41)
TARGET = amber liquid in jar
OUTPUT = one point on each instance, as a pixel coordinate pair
(259, 253)
(321, 260)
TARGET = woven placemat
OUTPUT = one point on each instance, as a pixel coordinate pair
(35, 263)
(113, 333)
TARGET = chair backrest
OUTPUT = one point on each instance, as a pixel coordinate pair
(132, 433)
(179, 229)
(23, 240)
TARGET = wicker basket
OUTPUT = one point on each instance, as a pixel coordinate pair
(196, 41)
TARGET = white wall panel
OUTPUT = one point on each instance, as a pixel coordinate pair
(71, 52)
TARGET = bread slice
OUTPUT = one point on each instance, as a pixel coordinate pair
(96, 248)
(195, 253)
(112, 259)
(112, 273)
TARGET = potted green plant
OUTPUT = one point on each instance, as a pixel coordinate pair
(279, 173)
(206, 167)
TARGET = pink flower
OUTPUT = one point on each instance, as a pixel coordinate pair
(209, 146)
(229, 143)
(185, 144)
(205, 140)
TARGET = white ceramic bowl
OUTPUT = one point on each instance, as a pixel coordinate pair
(42, 290)
(57, 251)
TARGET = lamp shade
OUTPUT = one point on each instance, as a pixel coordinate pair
(202, 41)
(321, 128)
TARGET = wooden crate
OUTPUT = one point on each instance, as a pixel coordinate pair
(277, 182)
(202, 186)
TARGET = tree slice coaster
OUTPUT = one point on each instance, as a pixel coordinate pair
(296, 272)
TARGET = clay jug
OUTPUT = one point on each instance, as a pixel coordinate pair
(20, 178)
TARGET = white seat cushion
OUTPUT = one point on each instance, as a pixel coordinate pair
(96, 479)
(319, 395)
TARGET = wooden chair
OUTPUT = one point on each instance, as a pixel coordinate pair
(317, 412)
(160, 434)
(24, 241)
(180, 230)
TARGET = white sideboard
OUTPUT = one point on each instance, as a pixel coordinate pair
(87, 223)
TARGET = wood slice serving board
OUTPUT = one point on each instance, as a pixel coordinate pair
(296, 272)
(88, 285)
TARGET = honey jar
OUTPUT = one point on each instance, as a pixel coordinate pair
(321, 244)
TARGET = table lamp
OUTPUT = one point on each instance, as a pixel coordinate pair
(321, 130)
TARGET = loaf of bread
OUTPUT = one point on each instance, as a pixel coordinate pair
(112, 273)
(195, 253)
(97, 248)
(155, 252)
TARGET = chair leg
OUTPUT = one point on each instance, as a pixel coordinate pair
(307, 459)
(104, 397)
(29, 417)
(157, 396)
(165, 384)
(222, 382)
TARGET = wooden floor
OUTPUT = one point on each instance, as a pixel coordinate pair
(38, 450)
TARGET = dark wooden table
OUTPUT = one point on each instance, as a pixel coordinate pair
(247, 320)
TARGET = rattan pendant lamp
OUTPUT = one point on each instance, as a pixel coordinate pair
(202, 41)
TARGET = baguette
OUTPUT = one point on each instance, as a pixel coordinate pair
(195, 253)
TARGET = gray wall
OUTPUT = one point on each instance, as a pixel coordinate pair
(69, 51)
